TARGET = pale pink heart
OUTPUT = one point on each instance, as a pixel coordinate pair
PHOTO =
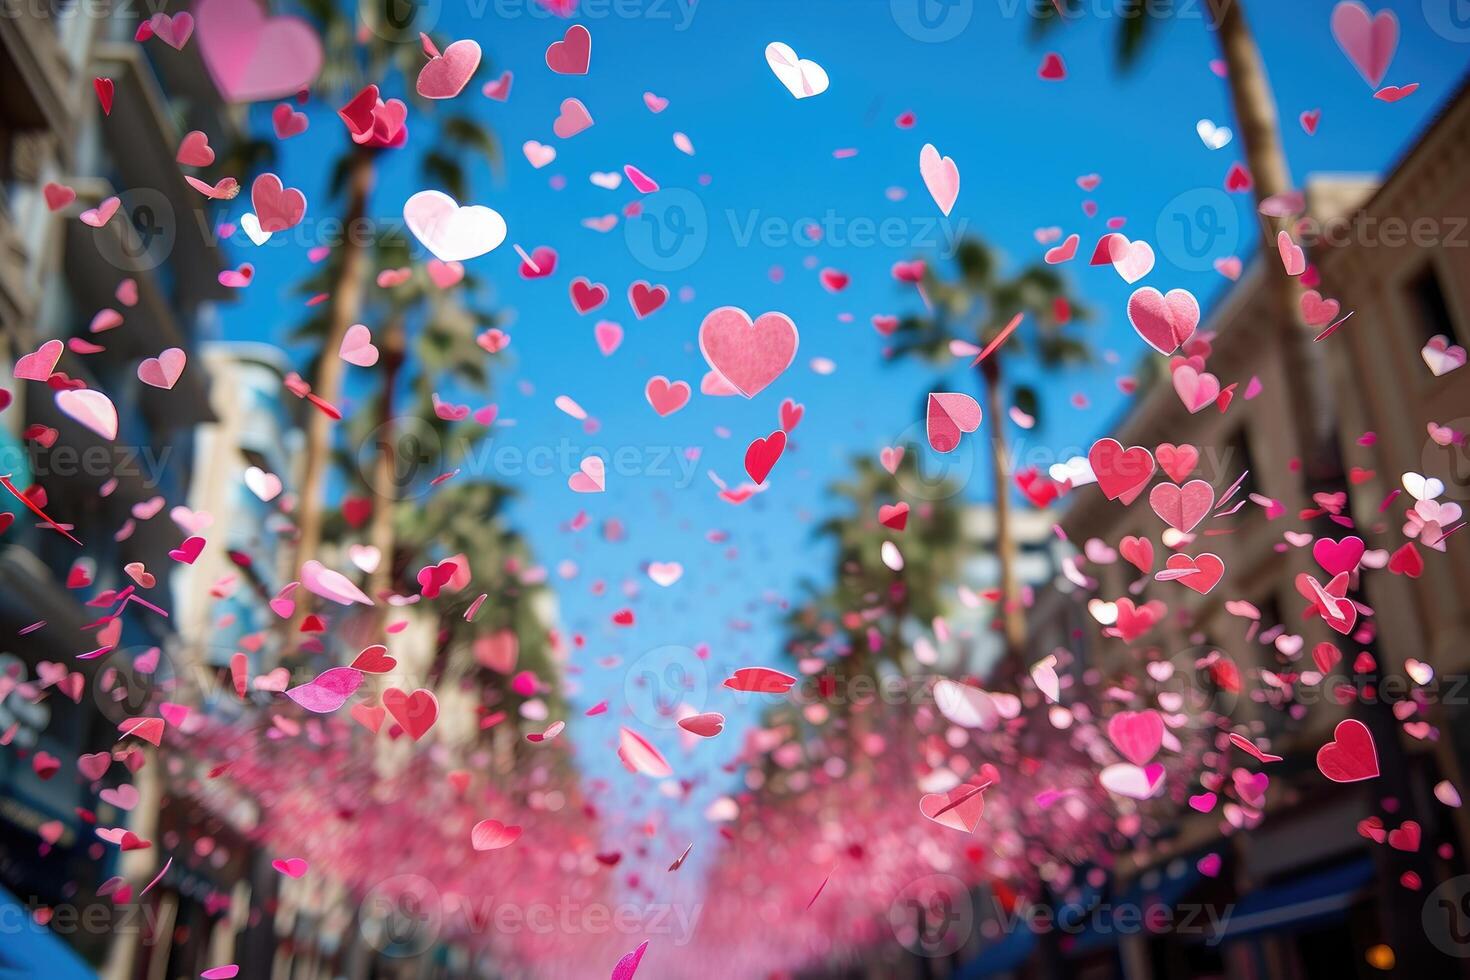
(1064, 252)
(1293, 259)
(573, 119)
(1134, 782)
(1441, 356)
(364, 556)
(124, 797)
(655, 104)
(609, 336)
(174, 31)
(445, 274)
(91, 408)
(446, 76)
(949, 415)
(1137, 735)
(138, 573)
(665, 573)
(639, 755)
(164, 370)
(1196, 389)
(492, 835)
(357, 346)
(287, 122)
(105, 320)
(802, 77)
(747, 354)
(966, 705)
(323, 581)
(266, 486)
(941, 177)
(1132, 260)
(102, 213)
(191, 521)
(889, 457)
(1229, 267)
(327, 691)
(1369, 42)
(498, 89)
(715, 386)
(1182, 508)
(195, 151)
(1164, 322)
(40, 363)
(253, 57)
(590, 477)
(538, 154)
(451, 232)
(1316, 311)
(608, 180)
(666, 398)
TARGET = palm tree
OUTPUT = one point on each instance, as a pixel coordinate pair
(1258, 123)
(389, 43)
(976, 306)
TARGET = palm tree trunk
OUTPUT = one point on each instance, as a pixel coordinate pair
(346, 303)
(1012, 615)
(1259, 125)
(394, 346)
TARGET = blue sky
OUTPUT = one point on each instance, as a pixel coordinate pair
(1019, 142)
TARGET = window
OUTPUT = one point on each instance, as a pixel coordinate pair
(1429, 308)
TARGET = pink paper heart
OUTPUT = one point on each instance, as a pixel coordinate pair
(357, 346)
(666, 398)
(252, 56)
(445, 76)
(163, 371)
(949, 415)
(609, 336)
(195, 151)
(1182, 508)
(492, 835)
(573, 119)
(941, 177)
(747, 354)
(90, 408)
(327, 691)
(1369, 42)
(1164, 322)
(1196, 389)
(38, 365)
(102, 213)
(590, 477)
(959, 809)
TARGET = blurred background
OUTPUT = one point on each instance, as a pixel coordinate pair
(792, 844)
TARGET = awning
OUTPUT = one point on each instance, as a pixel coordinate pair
(32, 950)
(1303, 900)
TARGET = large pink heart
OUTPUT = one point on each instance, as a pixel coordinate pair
(1164, 322)
(445, 76)
(276, 207)
(749, 355)
(1182, 508)
(1137, 735)
(91, 408)
(949, 415)
(1369, 42)
(38, 365)
(253, 57)
(163, 371)
(959, 809)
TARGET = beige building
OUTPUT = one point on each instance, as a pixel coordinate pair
(1397, 256)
